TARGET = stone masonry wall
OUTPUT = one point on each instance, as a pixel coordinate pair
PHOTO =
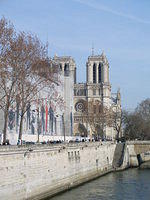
(41, 171)
(138, 147)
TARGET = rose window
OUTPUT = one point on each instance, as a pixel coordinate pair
(79, 107)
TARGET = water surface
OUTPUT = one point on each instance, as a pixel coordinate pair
(132, 184)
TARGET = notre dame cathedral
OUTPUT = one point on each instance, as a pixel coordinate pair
(97, 87)
(51, 120)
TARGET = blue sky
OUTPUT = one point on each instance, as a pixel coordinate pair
(120, 28)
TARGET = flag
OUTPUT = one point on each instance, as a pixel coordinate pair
(46, 113)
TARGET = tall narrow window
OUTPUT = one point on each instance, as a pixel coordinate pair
(66, 70)
(94, 108)
(100, 72)
(94, 73)
(60, 66)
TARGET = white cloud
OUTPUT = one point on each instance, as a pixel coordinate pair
(114, 12)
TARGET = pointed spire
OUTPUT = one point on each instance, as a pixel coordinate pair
(103, 54)
(118, 94)
(104, 57)
(92, 49)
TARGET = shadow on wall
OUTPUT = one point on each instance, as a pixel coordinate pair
(139, 158)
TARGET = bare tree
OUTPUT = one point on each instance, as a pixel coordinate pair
(82, 130)
(7, 71)
(133, 126)
(98, 117)
(24, 71)
(116, 118)
(143, 109)
(36, 71)
(137, 123)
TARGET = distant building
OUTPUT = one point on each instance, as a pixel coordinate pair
(45, 117)
(97, 87)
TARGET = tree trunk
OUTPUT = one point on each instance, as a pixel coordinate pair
(20, 127)
(5, 126)
(38, 125)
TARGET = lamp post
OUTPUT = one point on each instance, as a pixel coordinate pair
(63, 127)
(38, 125)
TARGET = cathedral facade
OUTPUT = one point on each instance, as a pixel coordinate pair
(96, 88)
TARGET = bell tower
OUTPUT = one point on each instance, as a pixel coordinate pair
(97, 69)
(97, 78)
(68, 70)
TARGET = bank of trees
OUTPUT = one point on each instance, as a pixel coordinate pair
(25, 70)
(136, 124)
(128, 125)
(98, 117)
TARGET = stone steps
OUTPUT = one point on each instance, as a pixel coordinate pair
(118, 155)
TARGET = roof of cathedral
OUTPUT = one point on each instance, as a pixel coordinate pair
(63, 58)
(102, 57)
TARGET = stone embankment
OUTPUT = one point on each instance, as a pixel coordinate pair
(37, 172)
(145, 165)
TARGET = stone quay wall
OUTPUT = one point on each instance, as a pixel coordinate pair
(41, 171)
(138, 149)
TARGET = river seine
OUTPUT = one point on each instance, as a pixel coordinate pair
(132, 184)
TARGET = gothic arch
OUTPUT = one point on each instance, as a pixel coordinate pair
(94, 73)
(66, 69)
(100, 73)
(60, 66)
